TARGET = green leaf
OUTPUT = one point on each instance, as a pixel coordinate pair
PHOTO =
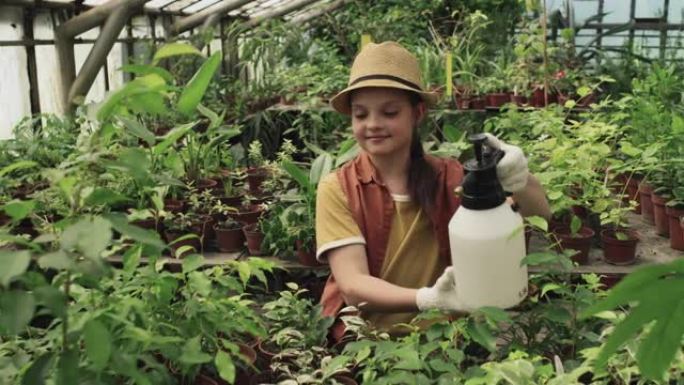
(58, 260)
(174, 49)
(138, 130)
(408, 359)
(628, 149)
(658, 349)
(320, 167)
(194, 91)
(549, 287)
(495, 314)
(142, 69)
(624, 331)
(539, 258)
(192, 353)
(192, 262)
(245, 271)
(104, 196)
(67, 368)
(52, 298)
(481, 334)
(575, 224)
(583, 91)
(22, 164)
(225, 366)
(172, 137)
(19, 210)
(144, 236)
(297, 174)
(39, 369)
(16, 311)
(98, 343)
(14, 264)
(90, 236)
(538, 222)
(634, 283)
(452, 133)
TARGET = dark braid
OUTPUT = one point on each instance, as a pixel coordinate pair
(422, 178)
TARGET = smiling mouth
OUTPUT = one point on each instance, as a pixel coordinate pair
(377, 137)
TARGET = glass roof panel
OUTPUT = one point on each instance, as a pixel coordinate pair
(200, 5)
(180, 4)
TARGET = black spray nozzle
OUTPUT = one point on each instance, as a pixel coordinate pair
(481, 187)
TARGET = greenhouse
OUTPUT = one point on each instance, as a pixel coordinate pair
(476, 192)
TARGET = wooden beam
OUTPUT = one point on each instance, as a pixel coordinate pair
(308, 16)
(98, 55)
(34, 90)
(64, 42)
(198, 18)
(47, 4)
(290, 7)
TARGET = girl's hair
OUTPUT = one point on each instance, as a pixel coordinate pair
(422, 177)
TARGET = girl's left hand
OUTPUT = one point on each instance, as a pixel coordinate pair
(512, 168)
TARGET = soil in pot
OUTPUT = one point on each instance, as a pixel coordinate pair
(232, 201)
(580, 242)
(662, 224)
(229, 240)
(247, 215)
(174, 205)
(306, 256)
(254, 239)
(676, 235)
(206, 184)
(265, 377)
(619, 251)
(645, 191)
(264, 355)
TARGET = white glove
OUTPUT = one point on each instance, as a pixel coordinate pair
(442, 295)
(512, 168)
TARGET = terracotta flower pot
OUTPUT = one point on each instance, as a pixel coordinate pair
(229, 240)
(662, 224)
(497, 100)
(676, 235)
(254, 239)
(306, 256)
(619, 252)
(645, 191)
(247, 215)
(255, 178)
(265, 355)
(610, 279)
(233, 201)
(171, 236)
(206, 184)
(580, 242)
(477, 103)
(462, 102)
(174, 205)
(245, 372)
(537, 98)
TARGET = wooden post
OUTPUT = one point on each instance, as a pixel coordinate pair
(546, 58)
(198, 18)
(449, 75)
(34, 92)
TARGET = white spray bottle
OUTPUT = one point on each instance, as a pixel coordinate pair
(486, 237)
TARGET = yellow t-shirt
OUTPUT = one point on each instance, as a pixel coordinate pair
(412, 256)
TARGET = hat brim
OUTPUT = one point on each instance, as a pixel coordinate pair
(340, 102)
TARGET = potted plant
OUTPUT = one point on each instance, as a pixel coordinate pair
(257, 172)
(229, 235)
(575, 237)
(183, 233)
(675, 212)
(619, 241)
(255, 237)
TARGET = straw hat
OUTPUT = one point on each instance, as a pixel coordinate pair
(386, 64)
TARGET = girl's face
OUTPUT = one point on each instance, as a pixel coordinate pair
(383, 119)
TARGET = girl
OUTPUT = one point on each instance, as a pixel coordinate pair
(381, 219)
